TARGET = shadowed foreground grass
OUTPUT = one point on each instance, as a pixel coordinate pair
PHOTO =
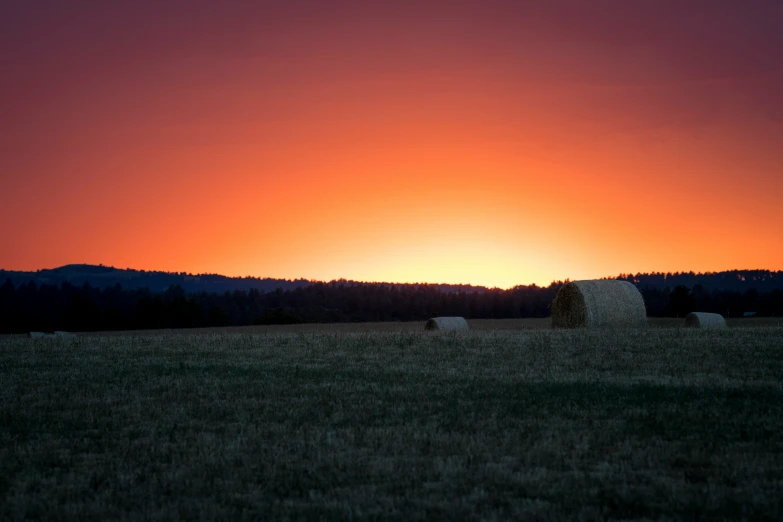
(656, 424)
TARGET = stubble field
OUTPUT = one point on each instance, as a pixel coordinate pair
(662, 423)
(482, 325)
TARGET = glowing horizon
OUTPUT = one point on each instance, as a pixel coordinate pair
(495, 144)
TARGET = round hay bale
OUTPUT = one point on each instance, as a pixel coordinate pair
(704, 320)
(592, 304)
(446, 323)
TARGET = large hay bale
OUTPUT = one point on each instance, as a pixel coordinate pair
(591, 304)
(446, 323)
(704, 320)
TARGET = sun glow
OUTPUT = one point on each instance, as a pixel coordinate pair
(475, 150)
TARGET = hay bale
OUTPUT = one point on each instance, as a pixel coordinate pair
(704, 320)
(591, 304)
(60, 333)
(38, 335)
(446, 323)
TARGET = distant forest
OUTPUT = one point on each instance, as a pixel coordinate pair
(35, 306)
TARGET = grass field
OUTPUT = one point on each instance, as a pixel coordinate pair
(666, 423)
(408, 326)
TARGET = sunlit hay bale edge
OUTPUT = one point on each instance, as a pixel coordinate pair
(601, 303)
(446, 324)
(704, 320)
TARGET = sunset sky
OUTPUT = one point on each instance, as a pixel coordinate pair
(486, 142)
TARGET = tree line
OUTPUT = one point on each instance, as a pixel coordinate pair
(34, 307)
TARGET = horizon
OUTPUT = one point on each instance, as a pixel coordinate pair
(492, 144)
(350, 280)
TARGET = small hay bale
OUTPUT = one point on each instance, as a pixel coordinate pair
(446, 323)
(38, 335)
(704, 320)
(592, 304)
(60, 333)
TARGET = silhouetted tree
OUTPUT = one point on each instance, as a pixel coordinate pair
(681, 302)
(29, 307)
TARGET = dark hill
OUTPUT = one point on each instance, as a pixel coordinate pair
(99, 276)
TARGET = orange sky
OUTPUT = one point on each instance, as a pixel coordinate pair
(490, 143)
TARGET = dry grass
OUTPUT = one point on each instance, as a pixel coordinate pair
(446, 324)
(408, 326)
(666, 423)
(598, 304)
(704, 320)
